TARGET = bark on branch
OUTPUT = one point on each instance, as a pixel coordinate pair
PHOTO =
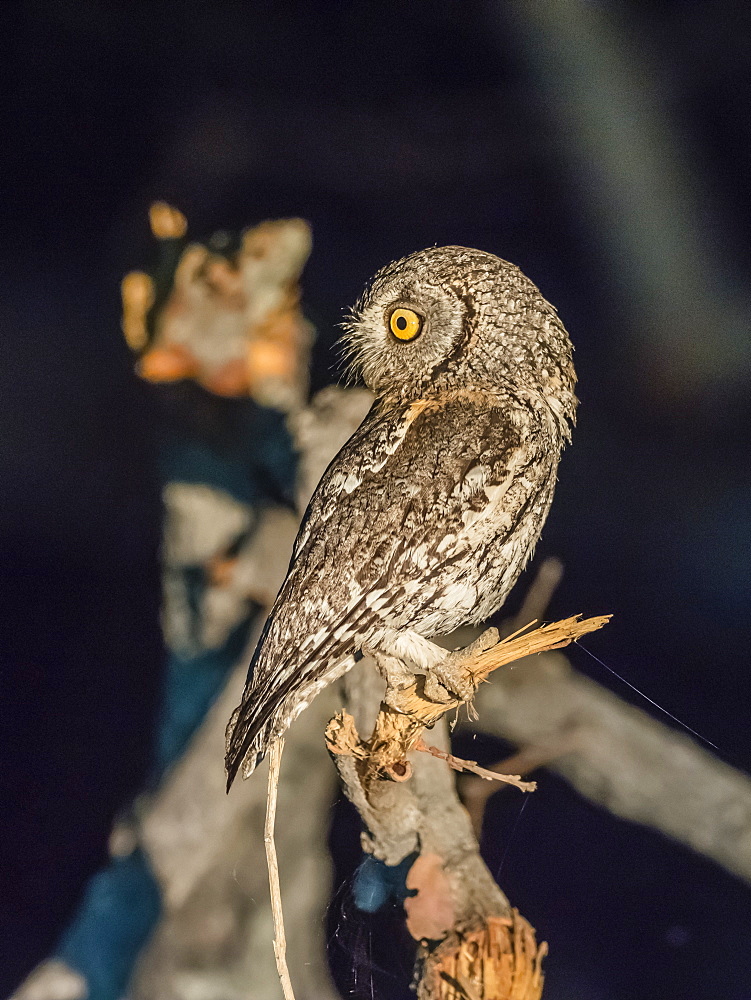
(473, 945)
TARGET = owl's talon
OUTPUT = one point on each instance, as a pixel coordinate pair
(485, 641)
(392, 698)
(435, 691)
(449, 679)
(394, 671)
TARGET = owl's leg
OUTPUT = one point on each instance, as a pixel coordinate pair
(451, 673)
(393, 670)
(402, 655)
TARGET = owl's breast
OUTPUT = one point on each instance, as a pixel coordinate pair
(424, 520)
(484, 551)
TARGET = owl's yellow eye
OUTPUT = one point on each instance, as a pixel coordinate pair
(405, 324)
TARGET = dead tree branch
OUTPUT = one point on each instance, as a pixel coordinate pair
(643, 198)
(406, 712)
(621, 758)
(472, 944)
(207, 848)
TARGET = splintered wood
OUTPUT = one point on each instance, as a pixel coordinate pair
(487, 951)
(499, 961)
(407, 712)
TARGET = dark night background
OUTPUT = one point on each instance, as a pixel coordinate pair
(390, 128)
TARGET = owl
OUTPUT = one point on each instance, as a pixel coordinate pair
(424, 520)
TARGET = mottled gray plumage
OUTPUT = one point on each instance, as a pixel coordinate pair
(426, 517)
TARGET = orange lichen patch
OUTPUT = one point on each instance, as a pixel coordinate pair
(168, 363)
(282, 325)
(499, 961)
(221, 569)
(430, 913)
(275, 348)
(167, 223)
(237, 321)
(137, 291)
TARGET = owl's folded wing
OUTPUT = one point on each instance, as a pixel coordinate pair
(405, 500)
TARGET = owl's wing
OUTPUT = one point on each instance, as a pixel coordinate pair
(400, 501)
(365, 453)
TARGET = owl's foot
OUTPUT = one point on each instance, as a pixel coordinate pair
(402, 657)
(485, 641)
(449, 677)
(394, 671)
(399, 674)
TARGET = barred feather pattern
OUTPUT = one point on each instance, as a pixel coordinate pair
(426, 517)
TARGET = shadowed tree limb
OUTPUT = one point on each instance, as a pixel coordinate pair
(472, 943)
(621, 758)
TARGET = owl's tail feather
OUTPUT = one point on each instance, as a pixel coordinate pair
(243, 729)
(265, 713)
(258, 720)
(282, 683)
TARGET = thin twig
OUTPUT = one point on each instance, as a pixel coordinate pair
(280, 941)
(458, 764)
(475, 794)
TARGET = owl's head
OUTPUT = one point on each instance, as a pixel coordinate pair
(451, 317)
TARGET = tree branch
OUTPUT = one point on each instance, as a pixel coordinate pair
(621, 758)
(472, 944)
(207, 848)
(406, 712)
